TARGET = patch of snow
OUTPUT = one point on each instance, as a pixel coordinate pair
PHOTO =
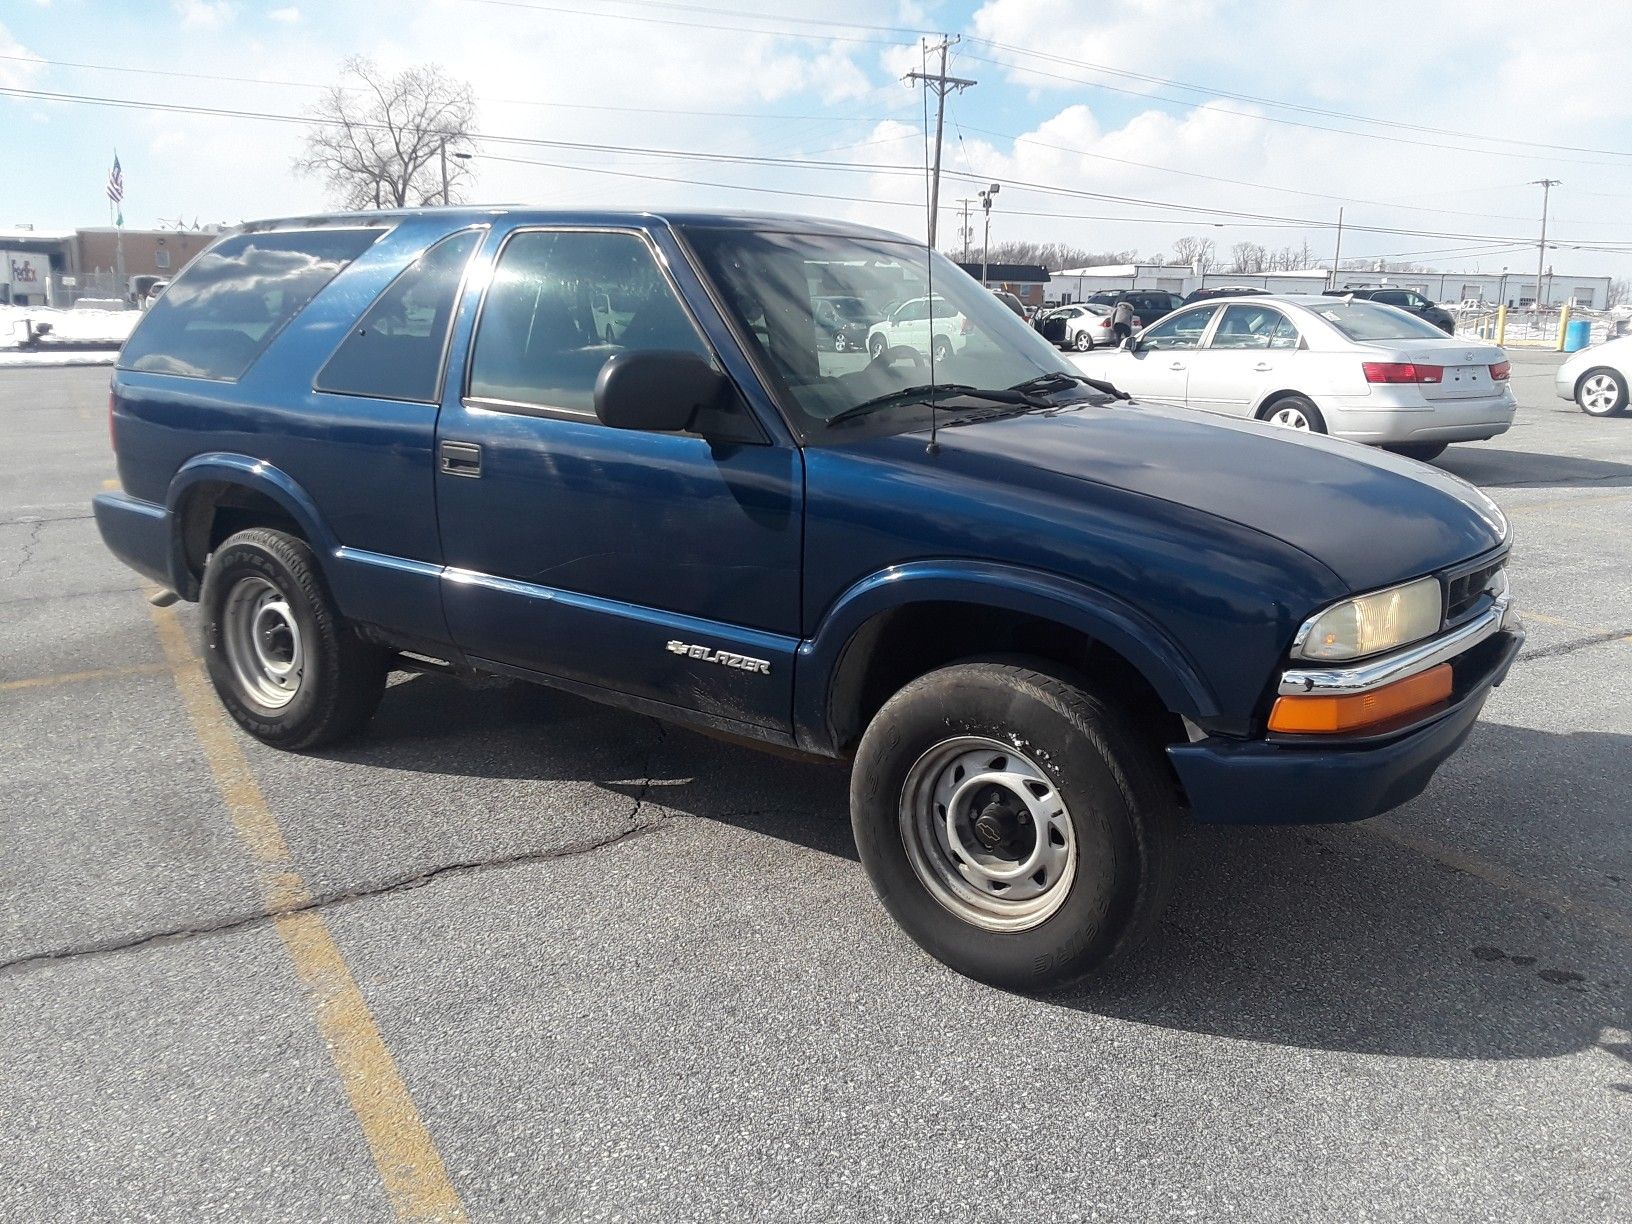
(10, 357)
(112, 326)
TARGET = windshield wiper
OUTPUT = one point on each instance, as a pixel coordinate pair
(1057, 379)
(908, 395)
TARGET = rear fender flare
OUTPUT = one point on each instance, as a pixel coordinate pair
(253, 474)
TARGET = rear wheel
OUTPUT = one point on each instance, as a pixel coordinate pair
(1425, 451)
(1601, 392)
(283, 663)
(1082, 342)
(1013, 822)
(1294, 412)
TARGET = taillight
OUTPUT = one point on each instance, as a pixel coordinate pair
(1401, 372)
(967, 325)
(1501, 371)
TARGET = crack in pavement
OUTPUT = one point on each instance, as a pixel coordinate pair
(36, 528)
(333, 900)
(1564, 648)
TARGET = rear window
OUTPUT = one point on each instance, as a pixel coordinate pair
(219, 315)
(1359, 320)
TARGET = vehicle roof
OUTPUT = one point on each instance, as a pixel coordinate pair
(476, 214)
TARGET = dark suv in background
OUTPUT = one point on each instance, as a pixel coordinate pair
(1407, 300)
(1148, 304)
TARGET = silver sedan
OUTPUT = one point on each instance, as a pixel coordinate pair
(1597, 378)
(1353, 369)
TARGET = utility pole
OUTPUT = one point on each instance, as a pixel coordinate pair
(443, 153)
(986, 245)
(942, 85)
(1337, 255)
(967, 231)
(1546, 186)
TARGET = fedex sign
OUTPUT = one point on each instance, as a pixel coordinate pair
(25, 273)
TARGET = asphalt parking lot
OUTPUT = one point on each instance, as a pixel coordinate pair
(539, 959)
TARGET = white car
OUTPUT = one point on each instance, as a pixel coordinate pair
(1086, 327)
(910, 325)
(1597, 378)
(1350, 368)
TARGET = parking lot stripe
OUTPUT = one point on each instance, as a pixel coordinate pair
(415, 1179)
(1492, 873)
(79, 677)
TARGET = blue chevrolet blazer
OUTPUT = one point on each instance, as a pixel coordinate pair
(616, 453)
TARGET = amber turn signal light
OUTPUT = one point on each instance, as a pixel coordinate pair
(1318, 714)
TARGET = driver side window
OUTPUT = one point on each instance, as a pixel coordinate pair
(1180, 331)
(561, 304)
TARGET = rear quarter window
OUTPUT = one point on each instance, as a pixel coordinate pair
(1360, 320)
(219, 315)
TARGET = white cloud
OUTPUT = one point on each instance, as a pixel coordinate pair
(17, 73)
(204, 14)
(289, 16)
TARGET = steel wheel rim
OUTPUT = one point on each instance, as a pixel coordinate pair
(1289, 418)
(947, 823)
(262, 642)
(1599, 393)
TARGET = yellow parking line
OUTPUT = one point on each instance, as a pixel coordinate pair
(102, 673)
(1564, 503)
(110, 486)
(416, 1181)
(1597, 631)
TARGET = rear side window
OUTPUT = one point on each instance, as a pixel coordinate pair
(395, 351)
(1371, 321)
(219, 315)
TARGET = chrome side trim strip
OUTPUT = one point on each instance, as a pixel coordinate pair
(1363, 677)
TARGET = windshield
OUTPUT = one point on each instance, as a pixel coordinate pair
(772, 281)
(1361, 320)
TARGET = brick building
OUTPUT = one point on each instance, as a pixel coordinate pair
(147, 252)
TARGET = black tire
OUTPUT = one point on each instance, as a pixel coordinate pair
(875, 346)
(940, 348)
(1616, 383)
(1426, 452)
(342, 678)
(1297, 403)
(1083, 342)
(1110, 778)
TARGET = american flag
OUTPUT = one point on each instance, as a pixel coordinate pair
(116, 182)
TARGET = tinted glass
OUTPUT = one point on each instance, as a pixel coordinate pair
(1372, 321)
(1246, 327)
(395, 351)
(561, 304)
(219, 315)
(769, 280)
(1180, 331)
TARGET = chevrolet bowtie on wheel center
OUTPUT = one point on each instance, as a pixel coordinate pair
(808, 484)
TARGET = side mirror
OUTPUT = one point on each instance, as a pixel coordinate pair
(1130, 344)
(656, 390)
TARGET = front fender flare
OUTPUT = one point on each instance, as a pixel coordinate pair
(1099, 615)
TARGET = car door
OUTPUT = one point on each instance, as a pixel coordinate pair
(909, 325)
(1251, 344)
(1157, 366)
(664, 566)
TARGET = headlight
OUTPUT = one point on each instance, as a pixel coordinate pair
(1371, 624)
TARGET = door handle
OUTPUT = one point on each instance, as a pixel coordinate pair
(1263, 366)
(1177, 365)
(461, 459)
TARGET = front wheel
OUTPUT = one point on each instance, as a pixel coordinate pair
(284, 664)
(1601, 393)
(875, 346)
(1295, 412)
(1013, 822)
(940, 348)
(840, 344)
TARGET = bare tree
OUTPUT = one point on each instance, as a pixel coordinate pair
(1620, 290)
(1248, 257)
(391, 141)
(1053, 255)
(1194, 252)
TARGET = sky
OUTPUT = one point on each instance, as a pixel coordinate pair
(1117, 126)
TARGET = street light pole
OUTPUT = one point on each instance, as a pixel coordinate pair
(443, 154)
(986, 243)
(1546, 186)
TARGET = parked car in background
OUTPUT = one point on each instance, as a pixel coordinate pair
(842, 323)
(1222, 291)
(153, 292)
(1013, 303)
(1353, 369)
(1597, 378)
(1082, 327)
(910, 325)
(1036, 642)
(1403, 299)
(1149, 304)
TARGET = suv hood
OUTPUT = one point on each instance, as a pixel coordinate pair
(1372, 518)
